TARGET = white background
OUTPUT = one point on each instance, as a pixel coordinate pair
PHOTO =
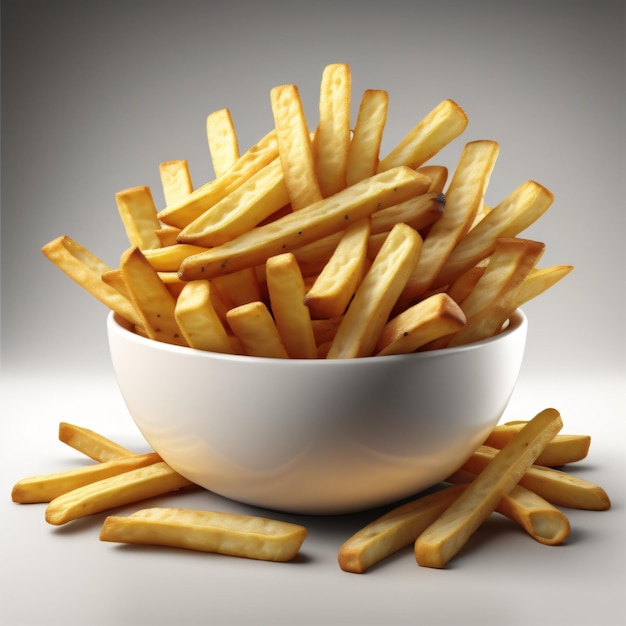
(96, 94)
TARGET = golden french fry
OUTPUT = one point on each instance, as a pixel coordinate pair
(222, 140)
(324, 330)
(463, 199)
(139, 216)
(443, 539)
(562, 450)
(539, 280)
(418, 213)
(91, 443)
(47, 487)
(151, 298)
(256, 330)
(465, 283)
(231, 534)
(199, 321)
(86, 270)
(168, 235)
(332, 139)
(262, 195)
(376, 295)
(239, 287)
(286, 293)
(394, 530)
(520, 209)
(190, 207)
(434, 317)
(299, 228)
(169, 258)
(492, 301)
(109, 493)
(364, 152)
(334, 287)
(294, 147)
(540, 519)
(558, 487)
(441, 126)
(175, 180)
(438, 175)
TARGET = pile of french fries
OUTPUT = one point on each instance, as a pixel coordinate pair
(309, 244)
(512, 473)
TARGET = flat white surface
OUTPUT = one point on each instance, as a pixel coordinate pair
(502, 577)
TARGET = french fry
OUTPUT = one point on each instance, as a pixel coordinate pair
(436, 130)
(438, 175)
(562, 450)
(463, 199)
(256, 330)
(47, 487)
(222, 140)
(445, 537)
(132, 486)
(492, 301)
(335, 285)
(418, 213)
(518, 211)
(434, 317)
(169, 258)
(364, 151)
(139, 217)
(257, 198)
(299, 228)
(394, 530)
(151, 298)
(539, 280)
(376, 295)
(86, 270)
(556, 486)
(294, 147)
(175, 180)
(199, 321)
(90, 443)
(190, 207)
(465, 283)
(168, 235)
(332, 138)
(292, 317)
(239, 287)
(324, 330)
(231, 534)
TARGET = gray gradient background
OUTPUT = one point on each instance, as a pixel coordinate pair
(96, 94)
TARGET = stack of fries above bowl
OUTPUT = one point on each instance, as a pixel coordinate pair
(320, 328)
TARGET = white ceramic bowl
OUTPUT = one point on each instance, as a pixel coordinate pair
(316, 436)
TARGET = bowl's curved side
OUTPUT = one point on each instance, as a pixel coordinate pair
(316, 436)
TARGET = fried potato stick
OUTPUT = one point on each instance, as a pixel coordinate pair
(434, 317)
(85, 269)
(169, 258)
(175, 181)
(254, 327)
(190, 207)
(292, 317)
(231, 534)
(464, 196)
(338, 280)
(90, 443)
(109, 493)
(139, 217)
(562, 450)
(47, 487)
(556, 486)
(222, 140)
(151, 298)
(294, 147)
(376, 295)
(436, 130)
(299, 228)
(364, 151)
(443, 539)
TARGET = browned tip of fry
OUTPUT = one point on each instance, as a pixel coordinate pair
(550, 527)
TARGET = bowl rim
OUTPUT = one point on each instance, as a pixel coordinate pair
(518, 322)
